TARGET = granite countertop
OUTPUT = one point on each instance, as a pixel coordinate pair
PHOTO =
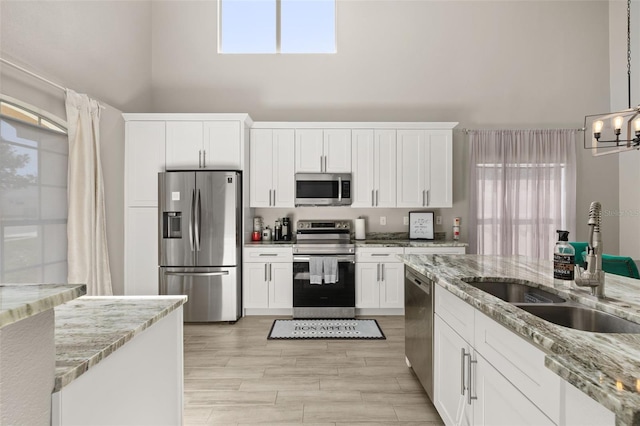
(408, 243)
(89, 329)
(604, 366)
(20, 301)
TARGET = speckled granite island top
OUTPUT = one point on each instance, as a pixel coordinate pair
(88, 329)
(20, 301)
(408, 243)
(604, 366)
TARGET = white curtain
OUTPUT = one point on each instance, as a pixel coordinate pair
(522, 188)
(88, 259)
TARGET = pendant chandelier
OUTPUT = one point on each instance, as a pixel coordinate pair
(615, 132)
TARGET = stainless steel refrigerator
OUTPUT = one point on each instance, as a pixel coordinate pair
(200, 242)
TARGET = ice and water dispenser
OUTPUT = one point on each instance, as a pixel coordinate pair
(172, 225)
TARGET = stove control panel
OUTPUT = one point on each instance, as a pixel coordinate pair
(327, 226)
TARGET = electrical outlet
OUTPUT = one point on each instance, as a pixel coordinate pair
(405, 220)
(383, 220)
(438, 220)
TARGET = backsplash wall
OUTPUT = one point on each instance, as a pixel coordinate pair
(394, 216)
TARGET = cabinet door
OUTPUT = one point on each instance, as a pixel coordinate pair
(184, 144)
(283, 168)
(498, 401)
(144, 158)
(367, 285)
(141, 251)
(255, 285)
(337, 151)
(308, 151)
(392, 285)
(385, 167)
(362, 169)
(440, 162)
(261, 169)
(222, 145)
(411, 168)
(281, 285)
(449, 375)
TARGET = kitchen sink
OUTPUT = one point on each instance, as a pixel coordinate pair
(514, 292)
(581, 318)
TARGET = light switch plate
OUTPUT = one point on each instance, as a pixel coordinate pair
(405, 220)
(438, 220)
(383, 220)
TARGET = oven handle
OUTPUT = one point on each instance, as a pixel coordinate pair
(350, 259)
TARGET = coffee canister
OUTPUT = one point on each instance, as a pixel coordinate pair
(257, 224)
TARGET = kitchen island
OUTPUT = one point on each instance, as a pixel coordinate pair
(119, 360)
(604, 366)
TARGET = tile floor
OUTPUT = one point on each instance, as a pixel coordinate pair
(235, 376)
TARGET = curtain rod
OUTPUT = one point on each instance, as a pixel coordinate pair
(32, 74)
(466, 131)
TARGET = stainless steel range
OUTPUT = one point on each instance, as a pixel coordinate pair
(324, 270)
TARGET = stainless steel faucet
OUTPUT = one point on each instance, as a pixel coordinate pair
(593, 275)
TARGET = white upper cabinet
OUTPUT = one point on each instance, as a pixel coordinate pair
(272, 172)
(144, 158)
(424, 168)
(373, 161)
(203, 144)
(318, 151)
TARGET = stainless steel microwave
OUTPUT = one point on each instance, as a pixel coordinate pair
(323, 189)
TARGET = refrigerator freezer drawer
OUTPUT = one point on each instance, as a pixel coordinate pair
(214, 293)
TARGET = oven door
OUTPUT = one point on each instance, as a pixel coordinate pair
(339, 294)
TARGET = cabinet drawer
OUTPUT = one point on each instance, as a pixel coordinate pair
(435, 250)
(379, 254)
(520, 362)
(457, 313)
(264, 254)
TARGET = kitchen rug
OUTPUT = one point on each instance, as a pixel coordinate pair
(326, 329)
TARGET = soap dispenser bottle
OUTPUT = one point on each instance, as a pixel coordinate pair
(563, 257)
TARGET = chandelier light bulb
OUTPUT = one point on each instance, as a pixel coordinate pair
(636, 125)
(597, 126)
(617, 123)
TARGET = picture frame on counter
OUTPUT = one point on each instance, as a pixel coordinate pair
(421, 225)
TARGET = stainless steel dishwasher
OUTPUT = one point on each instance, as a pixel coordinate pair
(418, 327)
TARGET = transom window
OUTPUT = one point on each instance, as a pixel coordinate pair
(277, 26)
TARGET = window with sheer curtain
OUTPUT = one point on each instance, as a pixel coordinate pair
(522, 189)
(33, 198)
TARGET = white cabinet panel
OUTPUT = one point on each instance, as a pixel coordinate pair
(379, 278)
(255, 285)
(320, 151)
(272, 168)
(222, 147)
(141, 251)
(309, 151)
(367, 285)
(281, 285)
(184, 144)
(580, 410)
(337, 151)
(373, 163)
(144, 158)
(392, 285)
(424, 168)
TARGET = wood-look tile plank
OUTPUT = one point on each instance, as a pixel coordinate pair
(425, 412)
(397, 397)
(280, 383)
(300, 371)
(200, 359)
(361, 383)
(262, 361)
(194, 398)
(329, 361)
(382, 371)
(224, 373)
(409, 383)
(211, 384)
(318, 396)
(340, 412)
(256, 414)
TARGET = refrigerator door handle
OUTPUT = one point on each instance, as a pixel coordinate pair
(197, 274)
(197, 221)
(192, 218)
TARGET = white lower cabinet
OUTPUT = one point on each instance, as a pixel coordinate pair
(484, 374)
(468, 390)
(379, 278)
(268, 280)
